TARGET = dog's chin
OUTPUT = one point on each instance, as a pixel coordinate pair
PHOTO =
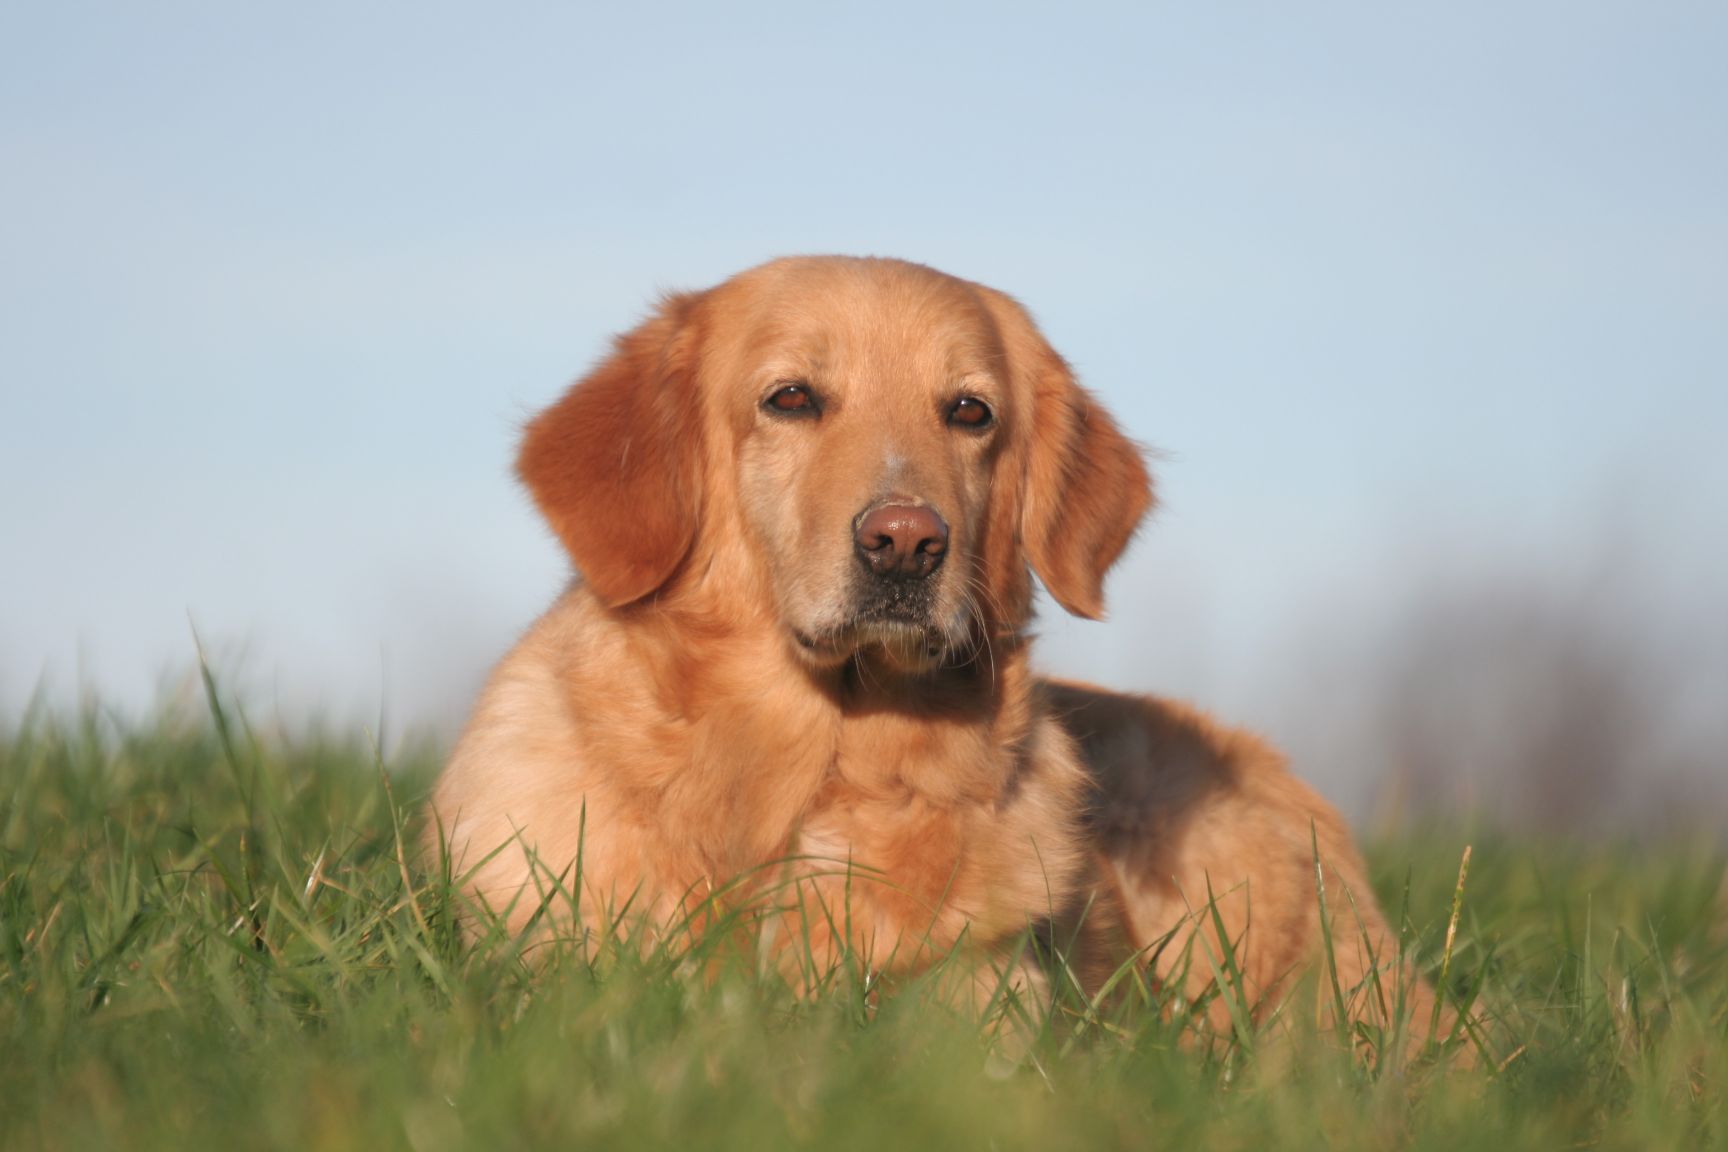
(908, 649)
(897, 646)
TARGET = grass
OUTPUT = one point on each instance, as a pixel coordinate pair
(212, 936)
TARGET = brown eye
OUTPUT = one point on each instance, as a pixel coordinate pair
(970, 412)
(792, 399)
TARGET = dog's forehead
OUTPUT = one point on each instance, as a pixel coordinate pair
(851, 312)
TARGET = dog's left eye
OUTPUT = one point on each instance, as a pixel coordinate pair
(970, 412)
(793, 398)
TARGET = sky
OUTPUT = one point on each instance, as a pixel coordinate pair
(1398, 294)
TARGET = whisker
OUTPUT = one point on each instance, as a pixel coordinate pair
(980, 640)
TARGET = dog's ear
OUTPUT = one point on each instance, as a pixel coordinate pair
(615, 464)
(1086, 487)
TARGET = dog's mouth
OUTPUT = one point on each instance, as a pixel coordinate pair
(896, 625)
(906, 645)
(895, 638)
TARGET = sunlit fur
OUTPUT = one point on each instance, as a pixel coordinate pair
(714, 698)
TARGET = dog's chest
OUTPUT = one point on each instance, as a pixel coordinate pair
(898, 813)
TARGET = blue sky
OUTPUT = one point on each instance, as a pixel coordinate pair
(1397, 292)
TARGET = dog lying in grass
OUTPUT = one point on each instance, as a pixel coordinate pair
(793, 678)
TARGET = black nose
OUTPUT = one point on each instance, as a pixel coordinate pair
(903, 541)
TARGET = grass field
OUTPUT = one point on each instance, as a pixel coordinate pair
(212, 937)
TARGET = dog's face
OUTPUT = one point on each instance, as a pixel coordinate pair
(871, 406)
(887, 446)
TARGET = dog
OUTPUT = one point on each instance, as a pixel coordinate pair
(793, 675)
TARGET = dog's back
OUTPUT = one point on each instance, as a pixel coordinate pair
(1211, 856)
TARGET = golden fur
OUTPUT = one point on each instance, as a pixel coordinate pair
(716, 698)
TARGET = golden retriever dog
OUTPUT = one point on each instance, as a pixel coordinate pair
(793, 676)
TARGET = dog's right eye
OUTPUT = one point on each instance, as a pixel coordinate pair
(792, 399)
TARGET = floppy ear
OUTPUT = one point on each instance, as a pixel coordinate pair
(1086, 487)
(615, 464)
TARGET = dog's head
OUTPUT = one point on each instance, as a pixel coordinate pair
(887, 449)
